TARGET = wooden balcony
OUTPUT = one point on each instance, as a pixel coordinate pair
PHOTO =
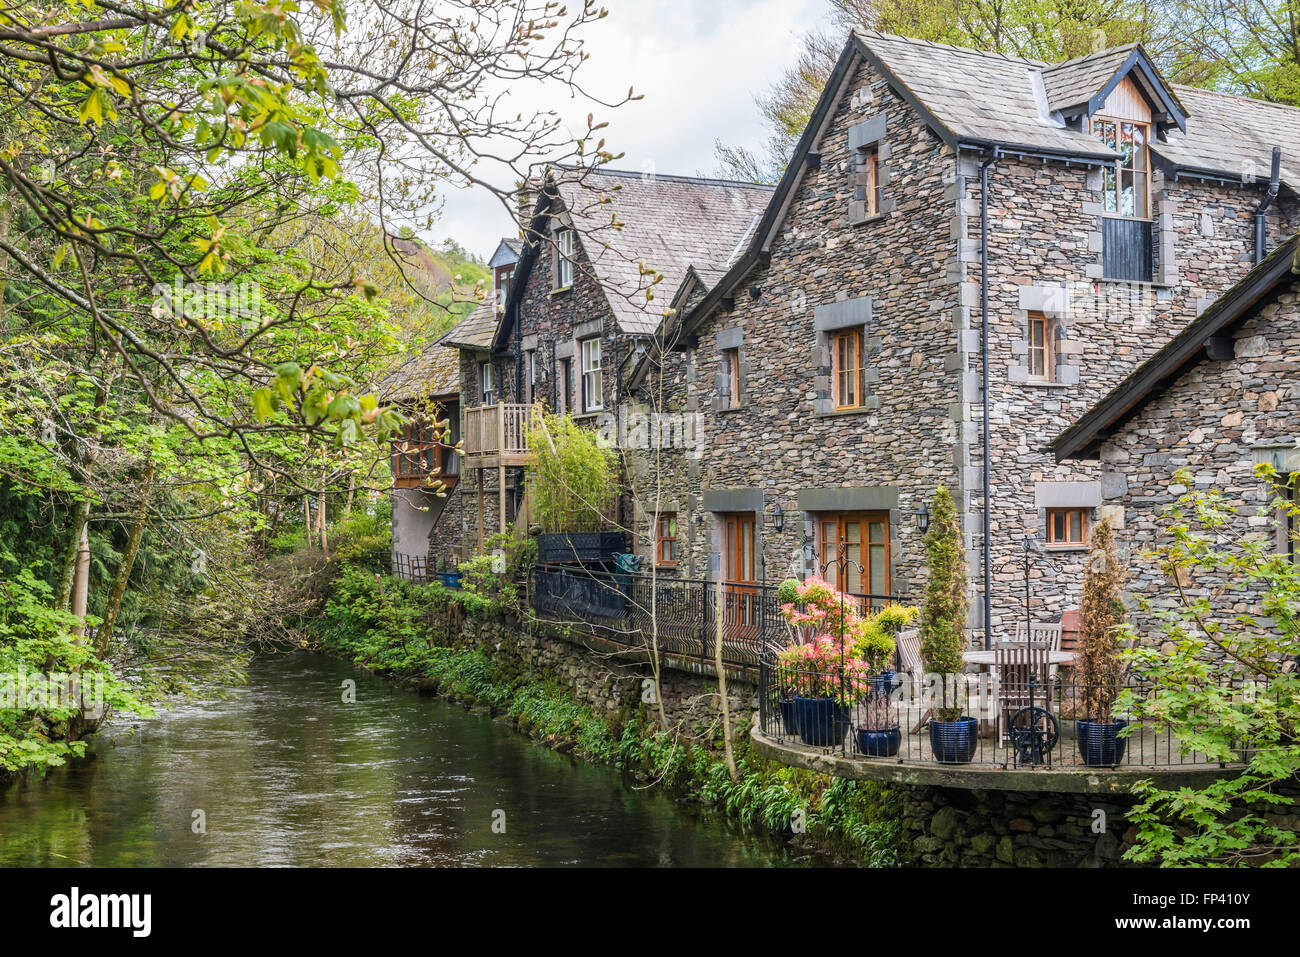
(497, 435)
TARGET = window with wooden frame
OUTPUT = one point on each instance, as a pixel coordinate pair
(849, 369)
(1041, 359)
(487, 383)
(1126, 186)
(1067, 527)
(666, 539)
(862, 540)
(731, 370)
(592, 376)
(867, 186)
(564, 258)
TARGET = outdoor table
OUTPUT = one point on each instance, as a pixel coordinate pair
(981, 656)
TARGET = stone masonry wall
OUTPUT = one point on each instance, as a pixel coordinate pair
(1044, 234)
(782, 440)
(1218, 420)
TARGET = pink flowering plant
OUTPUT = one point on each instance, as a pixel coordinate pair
(816, 610)
(812, 669)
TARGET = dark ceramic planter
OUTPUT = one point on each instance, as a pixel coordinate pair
(882, 743)
(821, 721)
(1100, 745)
(789, 716)
(884, 683)
(954, 742)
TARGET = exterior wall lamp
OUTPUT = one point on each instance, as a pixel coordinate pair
(778, 518)
(922, 516)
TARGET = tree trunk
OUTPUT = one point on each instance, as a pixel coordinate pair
(80, 518)
(352, 491)
(133, 537)
(81, 579)
(320, 515)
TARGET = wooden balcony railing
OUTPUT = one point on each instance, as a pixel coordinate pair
(497, 435)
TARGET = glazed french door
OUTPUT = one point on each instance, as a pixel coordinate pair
(739, 590)
(864, 537)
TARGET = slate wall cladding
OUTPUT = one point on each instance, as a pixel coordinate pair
(1217, 420)
(919, 267)
(1044, 233)
(781, 440)
(653, 479)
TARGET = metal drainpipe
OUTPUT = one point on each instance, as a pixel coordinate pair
(1261, 224)
(984, 360)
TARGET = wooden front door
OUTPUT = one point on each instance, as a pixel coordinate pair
(739, 575)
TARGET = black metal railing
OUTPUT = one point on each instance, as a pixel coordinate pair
(1015, 725)
(676, 615)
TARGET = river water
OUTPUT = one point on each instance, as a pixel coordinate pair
(285, 773)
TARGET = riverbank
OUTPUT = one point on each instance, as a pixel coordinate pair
(475, 651)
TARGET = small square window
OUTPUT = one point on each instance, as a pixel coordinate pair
(1067, 527)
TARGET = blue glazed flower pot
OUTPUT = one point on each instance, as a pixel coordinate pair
(953, 742)
(883, 683)
(881, 743)
(789, 716)
(1100, 745)
(821, 722)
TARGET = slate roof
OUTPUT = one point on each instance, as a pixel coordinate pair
(1082, 440)
(435, 371)
(1223, 132)
(976, 97)
(670, 223)
(1077, 81)
(474, 332)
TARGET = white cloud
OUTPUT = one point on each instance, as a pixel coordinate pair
(699, 64)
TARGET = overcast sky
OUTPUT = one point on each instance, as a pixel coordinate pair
(699, 64)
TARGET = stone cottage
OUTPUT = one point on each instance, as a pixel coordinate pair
(425, 467)
(966, 252)
(608, 253)
(1219, 399)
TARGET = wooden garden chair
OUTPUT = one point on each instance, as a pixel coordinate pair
(1018, 666)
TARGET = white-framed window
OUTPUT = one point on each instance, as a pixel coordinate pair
(564, 262)
(592, 392)
(487, 384)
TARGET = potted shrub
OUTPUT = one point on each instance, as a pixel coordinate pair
(1098, 665)
(574, 487)
(879, 734)
(820, 704)
(943, 638)
(879, 639)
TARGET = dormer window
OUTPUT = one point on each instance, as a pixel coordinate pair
(1126, 186)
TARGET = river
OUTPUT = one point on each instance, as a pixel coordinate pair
(282, 772)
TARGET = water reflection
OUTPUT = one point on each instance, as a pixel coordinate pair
(285, 773)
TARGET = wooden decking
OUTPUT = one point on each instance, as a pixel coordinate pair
(496, 436)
